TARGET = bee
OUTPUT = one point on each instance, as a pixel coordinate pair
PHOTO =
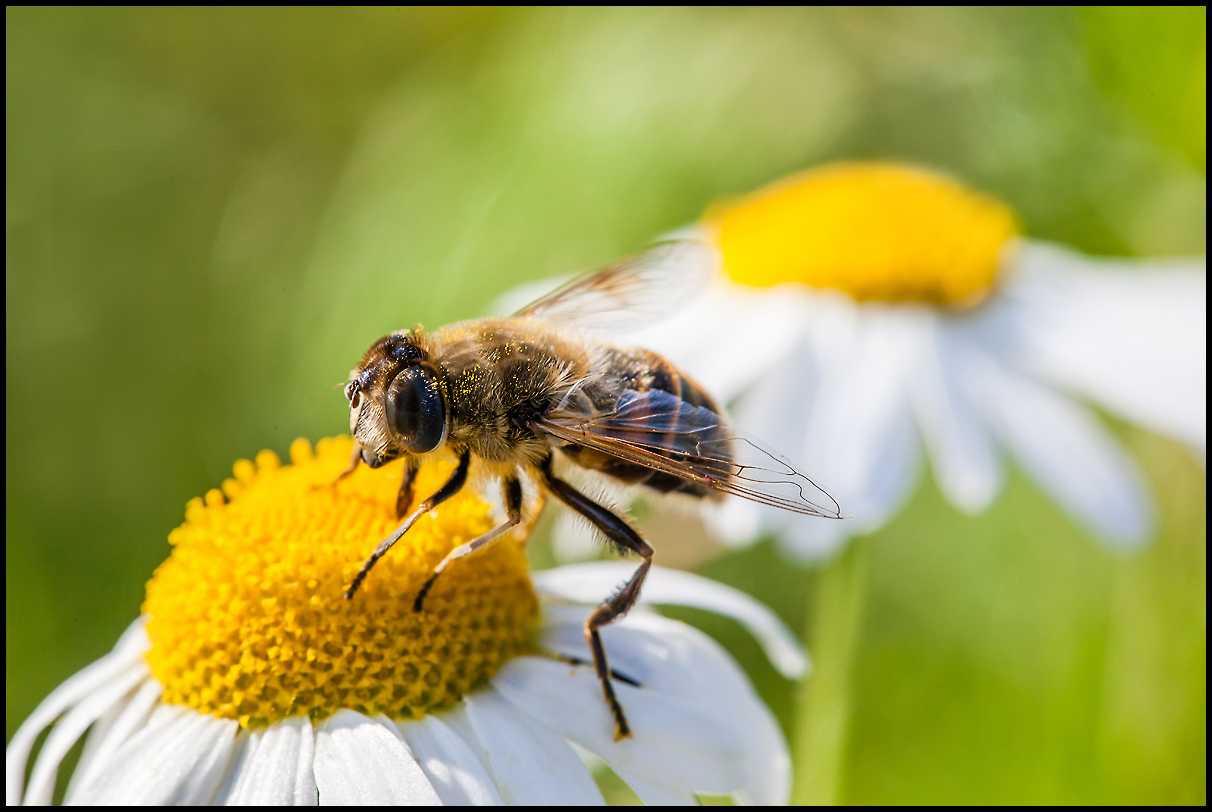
(519, 393)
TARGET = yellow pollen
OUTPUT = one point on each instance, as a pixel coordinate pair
(876, 231)
(247, 616)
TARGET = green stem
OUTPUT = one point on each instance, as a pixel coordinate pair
(823, 716)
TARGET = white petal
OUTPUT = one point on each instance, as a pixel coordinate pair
(1131, 334)
(1063, 446)
(456, 719)
(531, 764)
(358, 761)
(773, 411)
(964, 456)
(593, 582)
(277, 771)
(454, 770)
(236, 774)
(163, 722)
(674, 741)
(702, 337)
(73, 724)
(128, 650)
(107, 736)
(573, 538)
(670, 658)
(654, 794)
(179, 758)
(650, 793)
(739, 522)
(860, 444)
(214, 744)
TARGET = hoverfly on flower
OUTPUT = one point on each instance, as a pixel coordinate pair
(537, 391)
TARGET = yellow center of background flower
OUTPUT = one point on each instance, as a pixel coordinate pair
(873, 230)
(247, 616)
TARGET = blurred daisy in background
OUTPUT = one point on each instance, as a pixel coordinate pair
(250, 680)
(864, 305)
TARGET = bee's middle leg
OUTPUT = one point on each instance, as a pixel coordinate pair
(621, 533)
(511, 489)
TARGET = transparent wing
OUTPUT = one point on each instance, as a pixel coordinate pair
(662, 432)
(637, 291)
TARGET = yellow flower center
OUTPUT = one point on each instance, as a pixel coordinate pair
(876, 231)
(247, 616)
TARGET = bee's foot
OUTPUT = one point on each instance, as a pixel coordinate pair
(419, 603)
(621, 677)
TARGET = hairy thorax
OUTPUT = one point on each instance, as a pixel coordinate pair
(501, 374)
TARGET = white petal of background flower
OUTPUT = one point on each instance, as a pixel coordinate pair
(531, 764)
(589, 583)
(1131, 334)
(128, 651)
(861, 439)
(573, 538)
(359, 761)
(773, 412)
(730, 336)
(456, 773)
(1063, 446)
(962, 452)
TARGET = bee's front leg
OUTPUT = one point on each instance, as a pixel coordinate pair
(404, 497)
(453, 485)
(355, 459)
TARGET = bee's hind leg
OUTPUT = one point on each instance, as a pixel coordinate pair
(511, 489)
(621, 533)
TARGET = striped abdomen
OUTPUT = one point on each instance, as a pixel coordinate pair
(644, 371)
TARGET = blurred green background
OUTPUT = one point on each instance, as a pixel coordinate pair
(211, 213)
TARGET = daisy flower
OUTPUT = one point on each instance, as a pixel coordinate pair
(251, 680)
(866, 305)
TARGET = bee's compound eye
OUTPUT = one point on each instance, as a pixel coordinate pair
(416, 410)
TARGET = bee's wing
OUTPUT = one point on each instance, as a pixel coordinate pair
(662, 432)
(639, 290)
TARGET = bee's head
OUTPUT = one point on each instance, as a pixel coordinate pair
(396, 400)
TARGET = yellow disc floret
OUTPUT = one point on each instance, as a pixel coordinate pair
(248, 619)
(876, 231)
